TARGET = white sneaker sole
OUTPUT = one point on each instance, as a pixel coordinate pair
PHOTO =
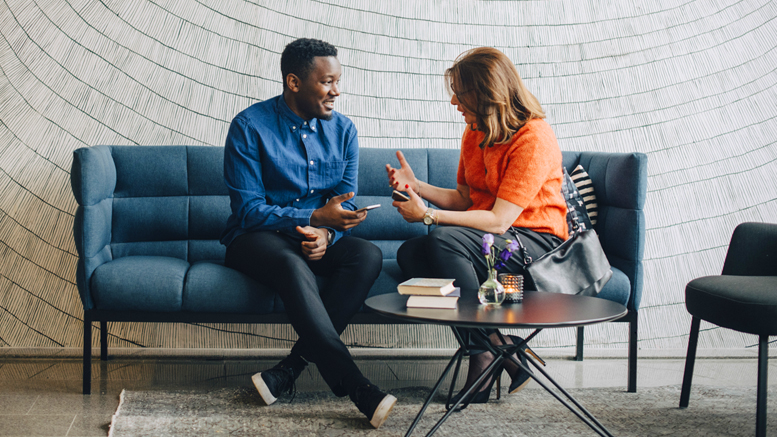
(264, 391)
(382, 412)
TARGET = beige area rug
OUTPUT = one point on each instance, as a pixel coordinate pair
(531, 412)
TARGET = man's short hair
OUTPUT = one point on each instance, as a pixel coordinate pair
(297, 57)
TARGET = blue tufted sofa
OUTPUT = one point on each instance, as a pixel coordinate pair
(149, 220)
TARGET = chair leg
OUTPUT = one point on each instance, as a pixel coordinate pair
(87, 381)
(690, 358)
(632, 384)
(763, 373)
(103, 340)
(580, 341)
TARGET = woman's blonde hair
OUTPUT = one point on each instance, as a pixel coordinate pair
(487, 84)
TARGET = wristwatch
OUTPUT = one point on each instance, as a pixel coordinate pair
(429, 217)
(330, 237)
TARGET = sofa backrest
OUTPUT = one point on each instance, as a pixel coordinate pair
(172, 201)
(384, 226)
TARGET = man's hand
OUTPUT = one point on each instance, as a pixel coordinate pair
(403, 177)
(315, 247)
(332, 215)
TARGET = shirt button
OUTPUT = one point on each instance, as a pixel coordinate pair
(297, 200)
(312, 163)
(304, 136)
(293, 127)
(312, 191)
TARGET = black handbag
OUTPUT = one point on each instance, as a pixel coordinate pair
(576, 266)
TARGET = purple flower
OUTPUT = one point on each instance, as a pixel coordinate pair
(512, 246)
(488, 239)
(504, 255)
(486, 249)
(499, 264)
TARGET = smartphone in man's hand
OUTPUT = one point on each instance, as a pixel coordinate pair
(367, 208)
(399, 197)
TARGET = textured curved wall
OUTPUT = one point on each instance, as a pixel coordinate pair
(691, 83)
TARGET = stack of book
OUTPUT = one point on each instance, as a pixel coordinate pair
(430, 293)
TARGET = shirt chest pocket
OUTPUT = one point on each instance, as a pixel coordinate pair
(331, 173)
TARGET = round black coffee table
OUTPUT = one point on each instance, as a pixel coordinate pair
(537, 311)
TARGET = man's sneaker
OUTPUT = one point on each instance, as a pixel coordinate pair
(373, 403)
(274, 382)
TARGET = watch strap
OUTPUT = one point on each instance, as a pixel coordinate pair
(430, 218)
(330, 236)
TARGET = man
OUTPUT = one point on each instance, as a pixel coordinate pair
(290, 164)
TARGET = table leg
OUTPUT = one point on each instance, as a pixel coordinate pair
(490, 371)
(501, 353)
(593, 423)
(456, 357)
(461, 352)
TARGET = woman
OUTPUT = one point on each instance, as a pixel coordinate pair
(508, 181)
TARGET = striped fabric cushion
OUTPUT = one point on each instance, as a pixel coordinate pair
(577, 215)
(586, 188)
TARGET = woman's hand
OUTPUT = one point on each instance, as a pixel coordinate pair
(403, 177)
(412, 210)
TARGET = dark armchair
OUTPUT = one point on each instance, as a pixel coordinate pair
(742, 298)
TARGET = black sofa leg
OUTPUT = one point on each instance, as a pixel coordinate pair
(763, 373)
(580, 341)
(690, 358)
(87, 354)
(632, 384)
(103, 340)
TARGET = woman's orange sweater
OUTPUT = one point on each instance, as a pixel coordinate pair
(526, 171)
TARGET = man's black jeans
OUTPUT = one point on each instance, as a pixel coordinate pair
(351, 266)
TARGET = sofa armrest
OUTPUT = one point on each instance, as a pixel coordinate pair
(93, 180)
(620, 185)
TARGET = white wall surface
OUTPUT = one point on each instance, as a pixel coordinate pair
(690, 83)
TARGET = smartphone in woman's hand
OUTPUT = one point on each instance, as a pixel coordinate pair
(396, 195)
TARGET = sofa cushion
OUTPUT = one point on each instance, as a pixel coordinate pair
(390, 276)
(617, 289)
(139, 283)
(385, 223)
(211, 287)
(141, 219)
(206, 171)
(158, 171)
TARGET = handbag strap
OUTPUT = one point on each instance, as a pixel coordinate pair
(526, 257)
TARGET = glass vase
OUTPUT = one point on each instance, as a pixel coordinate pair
(491, 292)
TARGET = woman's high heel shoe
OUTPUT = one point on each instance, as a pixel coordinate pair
(477, 397)
(521, 377)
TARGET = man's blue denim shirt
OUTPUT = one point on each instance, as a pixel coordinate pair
(279, 168)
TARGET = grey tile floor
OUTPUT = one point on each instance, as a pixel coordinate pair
(40, 391)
